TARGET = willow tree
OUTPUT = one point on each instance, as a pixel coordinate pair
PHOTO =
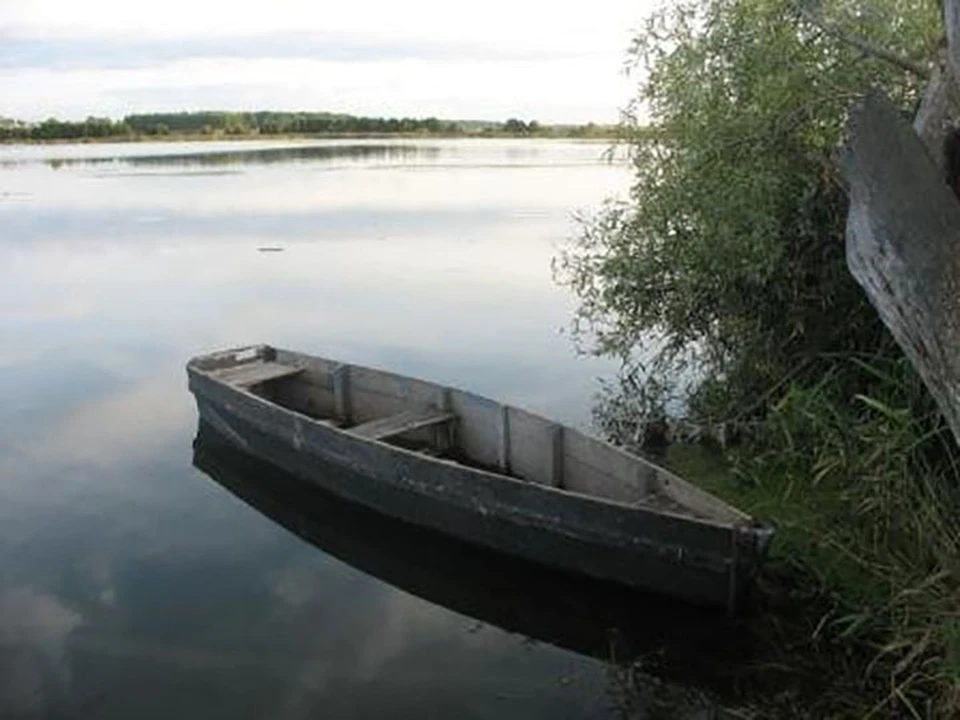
(722, 283)
(723, 277)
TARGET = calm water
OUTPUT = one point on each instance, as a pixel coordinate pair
(143, 577)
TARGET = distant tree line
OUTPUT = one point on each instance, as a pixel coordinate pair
(279, 123)
(214, 123)
(53, 129)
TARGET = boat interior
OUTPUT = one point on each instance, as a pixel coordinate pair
(461, 427)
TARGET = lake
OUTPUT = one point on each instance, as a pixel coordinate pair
(145, 571)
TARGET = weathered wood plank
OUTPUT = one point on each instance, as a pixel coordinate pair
(404, 422)
(938, 112)
(940, 107)
(555, 472)
(531, 445)
(504, 447)
(596, 468)
(903, 244)
(341, 392)
(256, 372)
(478, 427)
(951, 22)
(444, 435)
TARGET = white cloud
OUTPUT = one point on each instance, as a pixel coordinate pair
(496, 23)
(492, 59)
(34, 630)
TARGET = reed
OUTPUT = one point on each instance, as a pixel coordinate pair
(861, 600)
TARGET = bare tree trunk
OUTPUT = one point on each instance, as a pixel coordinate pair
(939, 110)
(903, 227)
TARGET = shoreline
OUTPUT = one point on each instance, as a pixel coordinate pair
(202, 137)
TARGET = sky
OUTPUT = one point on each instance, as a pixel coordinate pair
(553, 62)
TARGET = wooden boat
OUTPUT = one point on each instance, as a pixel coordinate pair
(573, 612)
(481, 471)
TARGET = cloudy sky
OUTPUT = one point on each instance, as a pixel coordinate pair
(492, 59)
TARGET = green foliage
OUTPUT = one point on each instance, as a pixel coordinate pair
(519, 127)
(732, 240)
(272, 123)
(280, 123)
(722, 285)
(53, 129)
(722, 281)
(861, 588)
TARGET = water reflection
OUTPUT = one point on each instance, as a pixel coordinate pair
(35, 628)
(681, 643)
(447, 153)
(263, 156)
(240, 155)
(134, 587)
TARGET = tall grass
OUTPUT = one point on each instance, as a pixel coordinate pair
(864, 579)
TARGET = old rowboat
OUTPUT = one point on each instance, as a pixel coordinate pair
(569, 611)
(485, 472)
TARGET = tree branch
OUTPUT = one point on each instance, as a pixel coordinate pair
(864, 46)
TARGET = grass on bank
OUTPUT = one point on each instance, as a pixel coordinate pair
(858, 610)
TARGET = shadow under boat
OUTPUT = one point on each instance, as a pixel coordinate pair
(676, 642)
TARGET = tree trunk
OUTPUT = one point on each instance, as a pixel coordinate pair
(903, 226)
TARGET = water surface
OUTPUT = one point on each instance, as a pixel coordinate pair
(135, 584)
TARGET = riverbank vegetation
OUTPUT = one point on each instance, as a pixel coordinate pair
(211, 124)
(721, 283)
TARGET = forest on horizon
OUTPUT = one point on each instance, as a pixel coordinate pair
(275, 123)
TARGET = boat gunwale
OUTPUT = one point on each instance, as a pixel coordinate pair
(747, 526)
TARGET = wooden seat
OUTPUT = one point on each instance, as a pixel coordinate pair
(400, 423)
(256, 372)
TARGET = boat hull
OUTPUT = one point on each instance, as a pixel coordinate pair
(697, 561)
(567, 610)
